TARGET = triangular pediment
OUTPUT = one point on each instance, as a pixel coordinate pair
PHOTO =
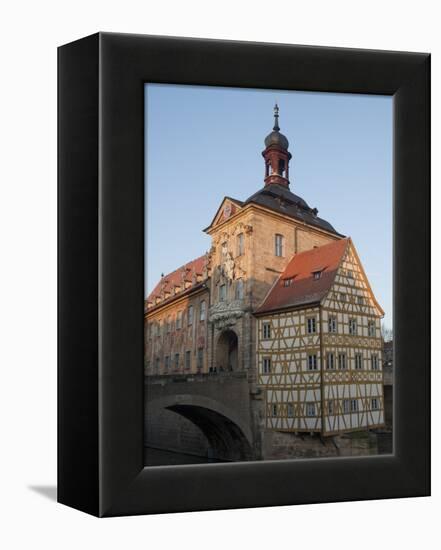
(228, 208)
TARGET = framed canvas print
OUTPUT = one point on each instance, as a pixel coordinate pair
(244, 260)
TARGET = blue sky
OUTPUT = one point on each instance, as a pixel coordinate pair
(203, 143)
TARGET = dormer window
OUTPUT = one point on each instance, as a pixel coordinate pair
(316, 275)
(288, 282)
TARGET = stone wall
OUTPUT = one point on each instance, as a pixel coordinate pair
(284, 445)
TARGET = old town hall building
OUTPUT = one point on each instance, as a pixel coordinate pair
(283, 297)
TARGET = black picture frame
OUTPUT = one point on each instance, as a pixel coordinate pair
(101, 274)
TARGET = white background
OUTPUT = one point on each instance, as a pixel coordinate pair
(30, 34)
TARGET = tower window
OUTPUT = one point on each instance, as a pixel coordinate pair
(240, 245)
(281, 167)
(279, 245)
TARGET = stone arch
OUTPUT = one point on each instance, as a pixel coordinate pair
(229, 438)
(227, 351)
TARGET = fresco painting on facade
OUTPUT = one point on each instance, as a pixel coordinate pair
(269, 345)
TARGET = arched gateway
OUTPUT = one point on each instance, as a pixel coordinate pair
(227, 357)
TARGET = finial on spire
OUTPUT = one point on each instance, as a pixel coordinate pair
(276, 118)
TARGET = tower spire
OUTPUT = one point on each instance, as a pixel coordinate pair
(276, 118)
(276, 155)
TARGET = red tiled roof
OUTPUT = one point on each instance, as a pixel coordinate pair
(304, 289)
(185, 273)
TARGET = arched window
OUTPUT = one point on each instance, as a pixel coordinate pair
(281, 167)
(278, 242)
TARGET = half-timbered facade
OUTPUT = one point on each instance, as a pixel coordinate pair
(319, 345)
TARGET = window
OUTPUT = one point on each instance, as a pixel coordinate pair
(290, 410)
(240, 245)
(200, 358)
(310, 409)
(222, 293)
(190, 315)
(179, 320)
(266, 331)
(350, 275)
(342, 360)
(239, 289)
(169, 324)
(176, 361)
(358, 361)
(342, 296)
(279, 245)
(187, 360)
(202, 311)
(353, 327)
(157, 363)
(274, 410)
(266, 365)
(374, 404)
(345, 405)
(371, 328)
(374, 362)
(288, 282)
(332, 324)
(281, 167)
(360, 300)
(330, 364)
(316, 275)
(354, 405)
(330, 407)
(312, 362)
(167, 362)
(311, 325)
